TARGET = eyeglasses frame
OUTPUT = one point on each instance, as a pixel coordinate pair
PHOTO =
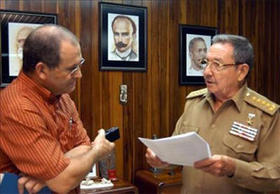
(78, 66)
(220, 67)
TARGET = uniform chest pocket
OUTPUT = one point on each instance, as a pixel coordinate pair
(239, 148)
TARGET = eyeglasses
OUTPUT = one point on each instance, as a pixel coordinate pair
(216, 65)
(77, 67)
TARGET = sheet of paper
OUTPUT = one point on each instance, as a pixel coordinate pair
(182, 149)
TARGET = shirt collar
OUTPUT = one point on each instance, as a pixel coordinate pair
(37, 88)
(237, 99)
(209, 98)
(124, 54)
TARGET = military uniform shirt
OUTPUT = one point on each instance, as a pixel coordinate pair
(257, 161)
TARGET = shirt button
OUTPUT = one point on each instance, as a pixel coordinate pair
(213, 126)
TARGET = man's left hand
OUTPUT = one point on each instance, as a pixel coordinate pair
(31, 184)
(217, 165)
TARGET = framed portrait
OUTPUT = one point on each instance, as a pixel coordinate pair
(123, 37)
(194, 44)
(15, 27)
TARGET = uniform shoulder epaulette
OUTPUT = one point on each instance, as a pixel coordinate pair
(261, 102)
(197, 93)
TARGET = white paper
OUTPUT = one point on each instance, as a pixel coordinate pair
(182, 149)
(91, 184)
(92, 173)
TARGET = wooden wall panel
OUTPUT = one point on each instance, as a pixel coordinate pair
(259, 24)
(228, 18)
(155, 99)
(275, 50)
(85, 88)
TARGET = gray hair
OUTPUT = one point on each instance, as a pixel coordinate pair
(243, 51)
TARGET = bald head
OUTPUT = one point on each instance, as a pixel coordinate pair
(197, 52)
(124, 30)
(43, 45)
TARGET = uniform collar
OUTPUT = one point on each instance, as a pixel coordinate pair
(237, 99)
(210, 99)
(38, 89)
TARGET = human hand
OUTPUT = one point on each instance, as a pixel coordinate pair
(31, 184)
(217, 165)
(101, 145)
(153, 160)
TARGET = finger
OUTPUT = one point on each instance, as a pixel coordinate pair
(147, 155)
(150, 153)
(216, 169)
(37, 187)
(155, 161)
(21, 184)
(29, 185)
(112, 144)
(153, 154)
(101, 131)
(208, 162)
(204, 163)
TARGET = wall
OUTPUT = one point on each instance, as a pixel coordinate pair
(155, 99)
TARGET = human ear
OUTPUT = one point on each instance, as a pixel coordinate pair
(41, 70)
(243, 70)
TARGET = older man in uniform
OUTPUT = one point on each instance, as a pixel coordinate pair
(241, 126)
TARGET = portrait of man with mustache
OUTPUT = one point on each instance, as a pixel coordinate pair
(124, 35)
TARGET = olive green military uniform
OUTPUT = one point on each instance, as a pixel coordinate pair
(255, 145)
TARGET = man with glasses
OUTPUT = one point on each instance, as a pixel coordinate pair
(241, 126)
(42, 137)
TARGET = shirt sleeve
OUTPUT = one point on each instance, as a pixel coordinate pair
(29, 145)
(263, 174)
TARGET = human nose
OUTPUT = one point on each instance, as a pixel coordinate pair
(207, 70)
(121, 38)
(118, 37)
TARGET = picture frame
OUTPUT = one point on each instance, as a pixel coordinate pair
(194, 43)
(15, 27)
(123, 37)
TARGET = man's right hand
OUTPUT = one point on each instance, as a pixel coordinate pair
(153, 160)
(81, 163)
(101, 145)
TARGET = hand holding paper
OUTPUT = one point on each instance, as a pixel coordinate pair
(182, 149)
(153, 160)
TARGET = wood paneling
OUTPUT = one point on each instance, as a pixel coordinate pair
(155, 99)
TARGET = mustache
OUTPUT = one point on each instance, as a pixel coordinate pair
(120, 45)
